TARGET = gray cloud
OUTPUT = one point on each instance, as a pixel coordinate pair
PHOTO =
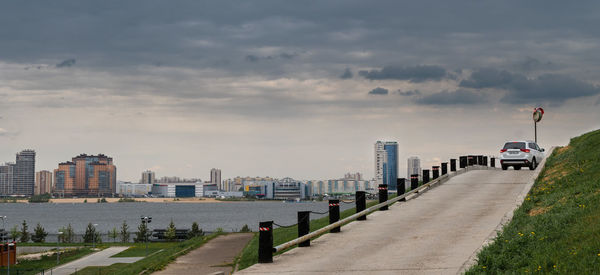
(419, 73)
(347, 74)
(546, 88)
(458, 97)
(533, 64)
(255, 58)
(379, 91)
(409, 92)
(66, 63)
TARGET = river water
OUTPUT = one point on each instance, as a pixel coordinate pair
(230, 216)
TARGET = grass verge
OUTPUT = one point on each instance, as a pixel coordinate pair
(281, 235)
(152, 263)
(46, 262)
(557, 228)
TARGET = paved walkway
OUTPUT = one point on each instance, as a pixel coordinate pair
(100, 258)
(211, 257)
(435, 233)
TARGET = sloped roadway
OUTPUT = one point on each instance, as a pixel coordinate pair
(435, 233)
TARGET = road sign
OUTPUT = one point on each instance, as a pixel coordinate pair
(537, 114)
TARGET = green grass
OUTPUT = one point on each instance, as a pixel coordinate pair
(46, 262)
(154, 262)
(281, 235)
(557, 228)
(139, 249)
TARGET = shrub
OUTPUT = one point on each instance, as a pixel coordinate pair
(39, 235)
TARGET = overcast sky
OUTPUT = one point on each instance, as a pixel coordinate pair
(291, 88)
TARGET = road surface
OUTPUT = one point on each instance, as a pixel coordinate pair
(435, 233)
(100, 258)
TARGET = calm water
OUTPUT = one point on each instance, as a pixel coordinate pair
(230, 216)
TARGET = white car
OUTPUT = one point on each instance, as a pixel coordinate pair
(521, 153)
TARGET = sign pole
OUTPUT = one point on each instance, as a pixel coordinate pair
(535, 130)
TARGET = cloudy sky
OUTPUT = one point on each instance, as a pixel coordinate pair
(291, 88)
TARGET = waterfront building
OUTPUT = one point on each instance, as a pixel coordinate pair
(353, 176)
(148, 177)
(413, 167)
(6, 179)
(178, 189)
(43, 182)
(86, 175)
(278, 189)
(128, 189)
(386, 163)
(339, 187)
(24, 173)
(215, 178)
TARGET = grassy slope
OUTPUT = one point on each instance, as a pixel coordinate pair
(249, 255)
(557, 228)
(46, 262)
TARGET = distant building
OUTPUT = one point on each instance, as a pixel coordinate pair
(353, 176)
(343, 186)
(43, 182)
(128, 189)
(283, 189)
(386, 163)
(86, 175)
(178, 190)
(24, 173)
(148, 177)
(413, 167)
(215, 177)
(6, 179)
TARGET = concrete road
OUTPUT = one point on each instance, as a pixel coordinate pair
(216, 255)
(100, 258)
(435, 233)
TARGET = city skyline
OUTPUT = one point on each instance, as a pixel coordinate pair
(291, 90)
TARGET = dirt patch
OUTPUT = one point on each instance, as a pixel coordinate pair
(562, 149)
(539, 210)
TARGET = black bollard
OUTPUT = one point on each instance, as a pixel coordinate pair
(425, 176)
(452, 165)
(463, 162)
(361, 204)
(492, 162)
(401, 187)
(303, 226)
(485, 161)
(480, 160)
(472, 160)
(383, 195)
(444, 168)
(414, 181)
(436, 171)
(265, 242)
(334, 214)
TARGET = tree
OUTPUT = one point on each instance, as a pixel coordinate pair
(114, 234)
(196, 231)
(141, 235)
(170, 234)
(245, 228)
(15, 233)
(24, 233)
(39, 235)
(90, 234)
(67, 235)
(125, 232)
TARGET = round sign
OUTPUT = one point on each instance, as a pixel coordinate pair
(537, 114)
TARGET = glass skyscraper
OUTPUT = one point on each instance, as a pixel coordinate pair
(386, 163)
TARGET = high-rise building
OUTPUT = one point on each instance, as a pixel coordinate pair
(6, 179)
(386, 163)
(413, 167)
(24, 173)
(215, 178)
(148, 177)
(43, 182)
(86, 175)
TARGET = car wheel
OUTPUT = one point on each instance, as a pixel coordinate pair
(517, 167)
(504, 167)
(533, 164)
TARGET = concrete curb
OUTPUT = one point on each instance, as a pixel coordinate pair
(508, 215)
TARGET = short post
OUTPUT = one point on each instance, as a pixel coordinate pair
(334, 214)
(303, 226)
(480, 160)
(485, 161)
(401, 187)
(425, 176)
(361, 204)
(383, 195)
(435, 171)
(492, 162)
(444, 168)
(414, 181)
(472, 160)
(265, 242)
(463, 162)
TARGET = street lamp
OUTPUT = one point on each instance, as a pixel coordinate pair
(94, 236)
(8, 263)
(58, 247)
(146, 221)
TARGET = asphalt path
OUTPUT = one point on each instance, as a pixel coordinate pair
(100, 258)
(435, 233)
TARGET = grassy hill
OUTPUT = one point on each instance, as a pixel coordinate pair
(557, 228)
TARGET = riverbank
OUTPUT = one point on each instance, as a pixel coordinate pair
(113, 200)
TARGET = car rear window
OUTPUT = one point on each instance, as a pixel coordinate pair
(514, 145)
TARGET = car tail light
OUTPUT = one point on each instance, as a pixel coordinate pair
(525, 150)
(502, 150)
